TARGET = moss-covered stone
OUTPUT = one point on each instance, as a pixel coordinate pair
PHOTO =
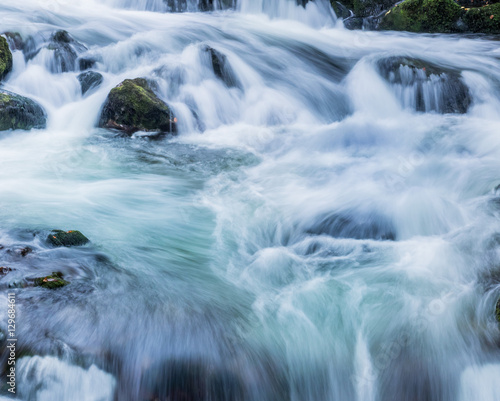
(440, 16)
(67, 238)
(5, 58)
(483, 19)
(55, 280)
(133, 106)
(19, 112)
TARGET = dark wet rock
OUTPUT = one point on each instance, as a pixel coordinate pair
(5, 58)
(497, 311)
(55, 280)
(133, 106)
(89, 80)
(341, 11)
(354, 225)
(15, 40)
(354, 23)
(86, 63)
(25, 251)
(5, 270)
(191, 381)
(66, 51)
(19, 112)
(221, 67)
(203, 5)
(67, 238)
(450, 94)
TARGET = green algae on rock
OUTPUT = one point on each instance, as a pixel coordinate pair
(5, 58)
(483, 19)
(67, 238)
(55, 280)
(19, 112)
(133, 106)
(441, 16)
(432, 16)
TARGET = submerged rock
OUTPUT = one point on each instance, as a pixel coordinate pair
(426, 87)
(354, 224)
(133, 106)
(188, 380)
(19, 112)
(89, 80)
(5, 58)
(221, 67)
(55, 280)
(67, 238)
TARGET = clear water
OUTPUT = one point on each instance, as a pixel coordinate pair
(306, 236)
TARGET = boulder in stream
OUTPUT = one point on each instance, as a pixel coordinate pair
(89, 80)
(133, 106)
(5, 58)
(55, 280)
(66, 51)
(427, 87)
(19, 112)
(67, 238)
(221, 67)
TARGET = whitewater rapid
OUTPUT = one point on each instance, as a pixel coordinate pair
(308, 235)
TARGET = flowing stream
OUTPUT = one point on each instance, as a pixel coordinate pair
(321, 230)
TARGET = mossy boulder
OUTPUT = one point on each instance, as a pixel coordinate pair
(89, 80)
(133, 106)
(19, 112)
(483, 19)
(439, 16)
(55, 280)
(67, 238)
(5, 58)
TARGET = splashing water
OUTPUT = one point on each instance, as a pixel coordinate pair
(323, 227)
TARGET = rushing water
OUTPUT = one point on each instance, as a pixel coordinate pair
(314, 232)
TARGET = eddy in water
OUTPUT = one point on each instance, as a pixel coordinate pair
(246, 201)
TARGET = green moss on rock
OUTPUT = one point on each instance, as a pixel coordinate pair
(19, 112)
(55, 280)
(133, 106)
(423, 16)
(483, 19)
(5, 58)
(67, 238)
